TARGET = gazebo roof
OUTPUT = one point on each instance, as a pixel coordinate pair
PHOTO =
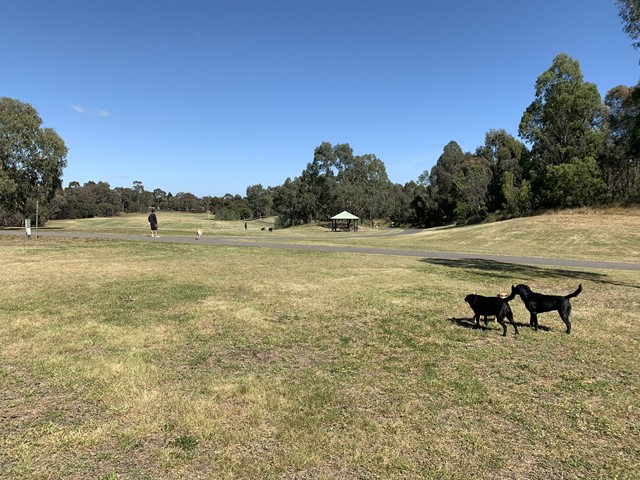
(345, 216)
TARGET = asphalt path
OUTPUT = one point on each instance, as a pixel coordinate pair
(282, 244)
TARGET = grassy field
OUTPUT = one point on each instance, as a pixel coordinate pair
(604, 234)
(171, 223)
(140, 360)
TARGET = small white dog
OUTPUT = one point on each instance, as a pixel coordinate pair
(198, 234)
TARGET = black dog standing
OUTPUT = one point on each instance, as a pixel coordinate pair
(538, 303)
(490, 306)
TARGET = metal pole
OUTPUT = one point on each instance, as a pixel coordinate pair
(37, 212)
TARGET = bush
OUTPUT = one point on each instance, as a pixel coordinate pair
(575, 184)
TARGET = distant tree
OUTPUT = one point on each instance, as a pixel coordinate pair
(620, 163)
(78, 203)
(564, 122)
(281, 203)
(574, 184)
(363, 187)
(260, 200)
(315, 196)
(472, 185)
(143, 199)
(58, 207)
(208, 203)
(442, 185)
(159, 197)
(186, 202)
(229, 207)
(107, 202)
(565, 119)
(292, 202)
(407, 204)
(518, 199)
(378, 188)
(32, 159)
(335, 180)
(505, 154)
(127, 199)
(318, 182)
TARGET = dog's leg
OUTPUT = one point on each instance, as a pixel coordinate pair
(565, 318)
(533, 321)
(510, 317)
(500, 320)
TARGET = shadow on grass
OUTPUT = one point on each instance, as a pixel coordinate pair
(471, 323)
(524, 271)
(467, 323)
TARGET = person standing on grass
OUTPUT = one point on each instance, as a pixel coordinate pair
(153, 221)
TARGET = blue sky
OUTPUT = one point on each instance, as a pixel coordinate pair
(210, 97)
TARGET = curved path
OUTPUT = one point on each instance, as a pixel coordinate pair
(251, 242)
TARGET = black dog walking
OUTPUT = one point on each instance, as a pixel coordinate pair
(489, 306)
(538, 303)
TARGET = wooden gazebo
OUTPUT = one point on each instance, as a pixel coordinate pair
(347, 220)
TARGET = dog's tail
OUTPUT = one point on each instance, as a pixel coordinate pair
(574, 294)
(512, 295)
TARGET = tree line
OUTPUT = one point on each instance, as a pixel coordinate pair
(98, 199)
(574, 149)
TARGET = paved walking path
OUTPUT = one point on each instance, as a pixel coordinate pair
(254, 242)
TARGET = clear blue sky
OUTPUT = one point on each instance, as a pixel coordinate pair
(210, 97)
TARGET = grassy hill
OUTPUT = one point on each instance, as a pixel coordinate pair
(605, 234)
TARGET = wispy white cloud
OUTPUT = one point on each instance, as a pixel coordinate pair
(95, 113)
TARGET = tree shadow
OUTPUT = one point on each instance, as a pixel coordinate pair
(504, 269)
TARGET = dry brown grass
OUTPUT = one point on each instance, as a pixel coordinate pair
(133, 360)
(610, 234)
(604, 234)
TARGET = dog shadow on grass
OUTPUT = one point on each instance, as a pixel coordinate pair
(511, 270)
(471, 323)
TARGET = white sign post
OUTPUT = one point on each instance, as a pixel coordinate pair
(27, 228)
